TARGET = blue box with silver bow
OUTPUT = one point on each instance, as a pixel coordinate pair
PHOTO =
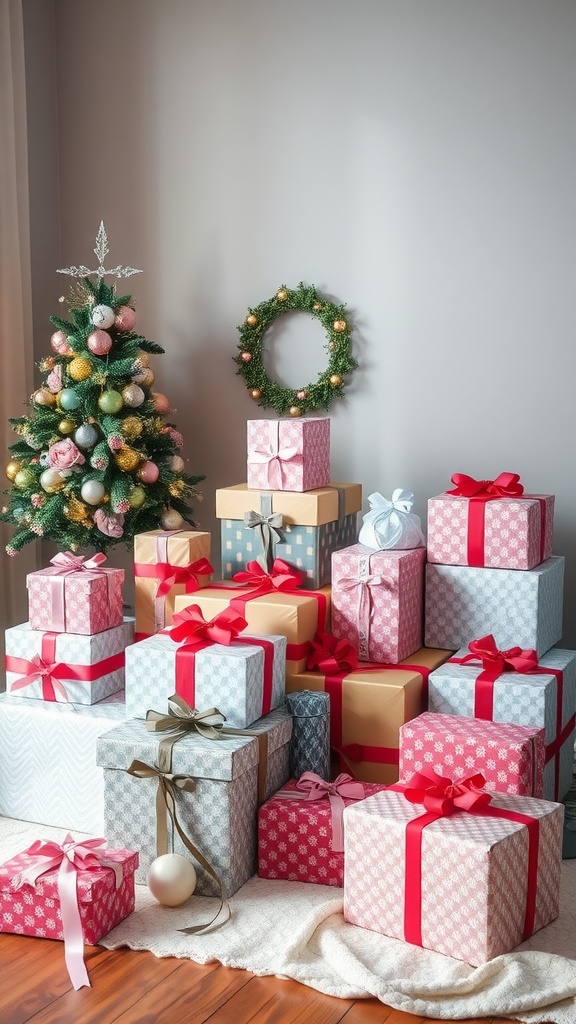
(301, 527)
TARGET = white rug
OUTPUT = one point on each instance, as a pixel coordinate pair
(295, 930)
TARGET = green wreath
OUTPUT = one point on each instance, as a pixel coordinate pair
(330, 383)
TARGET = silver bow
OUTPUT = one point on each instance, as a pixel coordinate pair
(270, 535)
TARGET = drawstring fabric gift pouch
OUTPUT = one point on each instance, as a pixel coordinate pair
(391, 524)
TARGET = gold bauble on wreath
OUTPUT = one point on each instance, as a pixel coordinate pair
(131, 427)
(250, 356)
(127, 459)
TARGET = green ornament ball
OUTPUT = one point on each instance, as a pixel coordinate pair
(69, 399)
(24, 479)
(137, 497)
(110, 402)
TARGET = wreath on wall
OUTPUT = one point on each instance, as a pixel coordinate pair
(330, 382)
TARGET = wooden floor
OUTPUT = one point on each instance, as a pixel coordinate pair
(131, 987)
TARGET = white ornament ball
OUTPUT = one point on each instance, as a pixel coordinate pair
(171, 879)
(176, 464)
(102, 316)
(171, 519)
(92, 492)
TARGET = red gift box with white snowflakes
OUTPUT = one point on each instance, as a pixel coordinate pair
(300, 835)
(510, 757)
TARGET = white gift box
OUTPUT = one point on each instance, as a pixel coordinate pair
(219, 817)
(48, 769)
(518, 607)
(243, 680)
(74, 667)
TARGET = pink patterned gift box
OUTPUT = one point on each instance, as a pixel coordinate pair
(510, 757)
(289, 454)
(377, 601)
(468, 892)
(504, 533)
(75, 596)
(295, 837)
(35, 909)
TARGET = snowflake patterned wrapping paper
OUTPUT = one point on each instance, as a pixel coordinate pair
(475, 884)
(510, 757)
(48, 769)
(243, 680)
(166, 558)
(288, 454)
(377, 601)
(367, 708)
(220, 817)
(69, 667)
(297, 615)
(86, 601)
(515, 533)
(295, 838)
(35, 909)
(519, 607)
(523, 699)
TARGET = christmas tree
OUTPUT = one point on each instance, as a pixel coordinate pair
(96, 461)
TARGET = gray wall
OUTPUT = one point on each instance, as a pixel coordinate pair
(412, 158)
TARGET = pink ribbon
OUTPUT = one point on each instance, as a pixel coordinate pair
(313, 787)
(66, 563)
(274, 455)
(70, 858)
(362, 584)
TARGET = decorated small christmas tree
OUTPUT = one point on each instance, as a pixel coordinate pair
(96, 462)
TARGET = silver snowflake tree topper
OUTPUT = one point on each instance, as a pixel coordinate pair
(101, 250)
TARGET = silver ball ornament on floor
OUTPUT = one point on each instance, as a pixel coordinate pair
(171, 879)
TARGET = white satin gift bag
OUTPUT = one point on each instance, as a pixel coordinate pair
(391, 524)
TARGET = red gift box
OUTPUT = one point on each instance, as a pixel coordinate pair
(75, 892)
(300, 833)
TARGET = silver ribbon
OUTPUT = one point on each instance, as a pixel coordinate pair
(268, 524)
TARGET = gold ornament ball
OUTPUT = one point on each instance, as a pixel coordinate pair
(133, 395)
(43, 397)
(256, 394)
(335, 380)
(127, 459)
(131, 427)
(295, 410)
(177, 464)
(143, 358)
(339, 326)
(146, 377)
(12, 469)
(245, 357)
(79, 368)
(281, 295)
(66, 426)
(171, 519)
(251, 320)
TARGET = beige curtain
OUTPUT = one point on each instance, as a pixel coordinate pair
(16, 351)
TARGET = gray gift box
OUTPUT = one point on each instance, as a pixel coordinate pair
(519, 607)
(219, 817)
(230, 678)
(521, 699)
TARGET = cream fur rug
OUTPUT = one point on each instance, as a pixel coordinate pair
(295, 930)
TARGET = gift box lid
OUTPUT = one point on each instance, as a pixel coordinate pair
(178, 544)
(86, 578)
(71, 648)
(494, 734)
(113, 706)
(92, 882)
(298, 508)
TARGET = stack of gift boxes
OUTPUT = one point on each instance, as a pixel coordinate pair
(438, 664)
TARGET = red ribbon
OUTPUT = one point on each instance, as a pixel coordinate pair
(169, 575)
(336, 659)
(441, 797)
(507, 485)
(43, 666)
(494, 664)
(314, 787)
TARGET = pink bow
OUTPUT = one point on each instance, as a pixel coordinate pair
(66, 562)
(314, 787)
(442, 796)
(191, 626)
(70, 858)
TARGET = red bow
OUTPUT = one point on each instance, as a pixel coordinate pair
(184, 574)
(282, 576)
(191, 626)
(507, 485)
(493, 660)
(329, 655)
(444, 796)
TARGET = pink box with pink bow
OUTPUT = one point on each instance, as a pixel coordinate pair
(289, 454)
(378, 601)
(75, 595)
(300, 829)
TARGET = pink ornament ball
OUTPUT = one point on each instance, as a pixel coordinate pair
(99, 342)
(125, 319)
(59, 343)
(161, 403)
(148, 473)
